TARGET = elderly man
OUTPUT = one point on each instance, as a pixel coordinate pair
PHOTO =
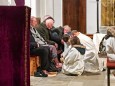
(91, 59)
(41, 42)
(44, 29)
(67, 30)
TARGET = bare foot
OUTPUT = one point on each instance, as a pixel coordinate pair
(58, 65)
(46, 72)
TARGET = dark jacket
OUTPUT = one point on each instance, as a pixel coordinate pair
(57, 34)
(33, 44)
(45, 33)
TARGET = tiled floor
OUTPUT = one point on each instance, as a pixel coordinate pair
(87, 79)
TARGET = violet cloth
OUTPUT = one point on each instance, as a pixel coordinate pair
(14, 45)
(20, 2)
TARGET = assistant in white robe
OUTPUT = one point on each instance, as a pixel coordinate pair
(110, 48)
(91, 59)
(73, 61)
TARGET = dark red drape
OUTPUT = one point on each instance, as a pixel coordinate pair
(20, 2)
(14, 46)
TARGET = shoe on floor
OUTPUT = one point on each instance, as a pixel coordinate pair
(40, 74)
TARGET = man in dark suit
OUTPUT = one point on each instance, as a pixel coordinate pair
(43, 52)
(45, 42)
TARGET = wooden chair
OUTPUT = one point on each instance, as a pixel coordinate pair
(34, 63)
(110, 66)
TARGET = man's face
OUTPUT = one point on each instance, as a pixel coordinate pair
(49, 23)
(73, 34)
(65, 31)
(34, 22)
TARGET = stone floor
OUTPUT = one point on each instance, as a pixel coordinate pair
(87, 79)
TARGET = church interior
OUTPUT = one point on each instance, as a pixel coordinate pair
(93, 19)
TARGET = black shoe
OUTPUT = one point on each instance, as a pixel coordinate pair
(52, 68)
(104, 69)
(39, 74)
(39, 69)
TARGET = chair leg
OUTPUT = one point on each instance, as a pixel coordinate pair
(108, 77)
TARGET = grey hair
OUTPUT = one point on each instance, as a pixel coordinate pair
(67, 27)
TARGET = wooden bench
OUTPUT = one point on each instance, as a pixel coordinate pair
(110, 66)
(34, 63)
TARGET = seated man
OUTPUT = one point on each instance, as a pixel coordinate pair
(43, 53)
(67, 30)
(44, 30)
(91, 59)
(40, 41)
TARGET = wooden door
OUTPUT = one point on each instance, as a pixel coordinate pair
(74, 14)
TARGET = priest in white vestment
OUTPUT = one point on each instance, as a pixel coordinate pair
(73, 59)
(110, 43)
(91, 59)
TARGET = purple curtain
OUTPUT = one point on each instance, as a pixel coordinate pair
(20, 2)
(14, 46)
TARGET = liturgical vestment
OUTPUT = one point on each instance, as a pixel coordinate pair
(110, 48)
(91, 59)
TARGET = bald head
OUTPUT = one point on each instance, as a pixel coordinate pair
(49, 23)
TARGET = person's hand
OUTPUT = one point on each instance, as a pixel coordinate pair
(38, 45)
(62, 41)
(56, 45)
(62, 59)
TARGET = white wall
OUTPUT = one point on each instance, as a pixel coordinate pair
(52, 8)
(4, 2)
(7, 2)
(91, 16)
(35, 7)
(28, 3)
(40, 8)
(58, 12)
(47, 8)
